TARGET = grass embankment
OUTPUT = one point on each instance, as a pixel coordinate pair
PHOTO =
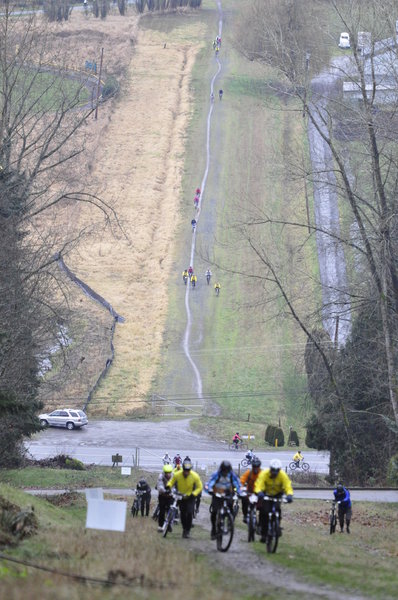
(139, 560)
(249, 353)
(364, 561)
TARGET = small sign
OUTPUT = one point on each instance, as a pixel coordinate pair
(109, 515)
(94, 494)
(126, 470)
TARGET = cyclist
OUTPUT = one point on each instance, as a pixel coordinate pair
(220, 93)
(193, 223)
(196, 201)
(248, 479)
(211, 97)
(271, 482)
(185, 276)
(194, 280)
(298, 457)
(236, 440)
(165, 497)
(225, 482)
(186, 482)
(190, 272)
(197, 191)
(217, 288)
(208, 276)
(342, 496)
(177, 460)
(249, 455)
(145, 489)
(166, 459)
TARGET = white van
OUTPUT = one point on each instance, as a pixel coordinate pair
(344, 40)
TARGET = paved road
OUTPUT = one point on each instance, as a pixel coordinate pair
(101, 439)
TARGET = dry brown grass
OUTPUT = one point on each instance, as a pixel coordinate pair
(135, 159)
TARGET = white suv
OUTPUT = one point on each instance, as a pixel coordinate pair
(64, 417)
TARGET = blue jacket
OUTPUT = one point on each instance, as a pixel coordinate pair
(343, 497)
(235, 482)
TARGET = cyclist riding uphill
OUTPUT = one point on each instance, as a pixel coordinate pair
(248, 479)
(188, 483)
(272, 482)
(298, 457)
(224, 482)
(342, 496)
(165, 497)
(236, 440)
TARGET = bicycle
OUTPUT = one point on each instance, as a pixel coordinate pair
(273, 532)
(238, 446)
(137, 503)
(224, 525)
(333, 517)
(252, 521)
(155, 514)
(301, 465)
(208, 277)
(246, 462)
(172, 514)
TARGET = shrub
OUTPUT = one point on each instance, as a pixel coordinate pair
(273, 433)
(293, 438)
(111, 88)
(75, 464)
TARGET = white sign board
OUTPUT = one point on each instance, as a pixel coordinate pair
(126, 470)
(109, 515)
(94, 494)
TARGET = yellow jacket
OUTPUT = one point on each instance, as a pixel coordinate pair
(298, 456)
(273, 486)
(186, 485)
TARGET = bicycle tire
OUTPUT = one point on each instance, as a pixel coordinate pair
(224, 530)
(244, 462)
(333, 523)
(305, 467)
(292, 466)
(155, 514)
(273, 535)
(134, 508)
(251, 525)
(168, 522)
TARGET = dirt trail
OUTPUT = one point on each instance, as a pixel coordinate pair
(242, 557)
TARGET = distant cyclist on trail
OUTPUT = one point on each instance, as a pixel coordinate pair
(208, 276)
(298, 457)
(193, 223)
(217, 288)
(194, 280)
(212, 97)
(220, 94)
(185, 276)
(190, 272)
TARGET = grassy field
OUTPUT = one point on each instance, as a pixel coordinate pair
(146, 566)
(243, 342)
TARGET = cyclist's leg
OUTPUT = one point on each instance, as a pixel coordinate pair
(147, 504)
(348, 514)
(213, 516)
(264, 509)
(341, 518)
(245, 507)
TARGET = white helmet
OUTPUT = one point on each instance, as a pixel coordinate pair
(275, 464)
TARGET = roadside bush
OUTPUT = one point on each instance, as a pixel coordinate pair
(73, 463)
(273, 433)
(392, 471)
(293, 439)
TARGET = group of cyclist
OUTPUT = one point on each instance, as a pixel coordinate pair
(189, 275)
(266, 484)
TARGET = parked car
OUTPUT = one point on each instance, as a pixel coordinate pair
(64, 417)
(344, 40)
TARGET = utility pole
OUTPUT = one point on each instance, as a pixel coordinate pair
(307, 68)
(99, 85)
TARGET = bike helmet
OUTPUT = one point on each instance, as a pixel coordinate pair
(142, 482)
(187, 465)
(275, 465)
(168, 469)
(339, 487)
(225, 466)
(256, 462)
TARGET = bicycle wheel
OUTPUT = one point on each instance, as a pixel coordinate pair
(168, 521)
(244, 447)
(134, 508)
(305, 466)
(292, 466)
(233, 447)
(251, 524)
(273, 534)
(224, 530)
(244, 462)
(333, 523)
